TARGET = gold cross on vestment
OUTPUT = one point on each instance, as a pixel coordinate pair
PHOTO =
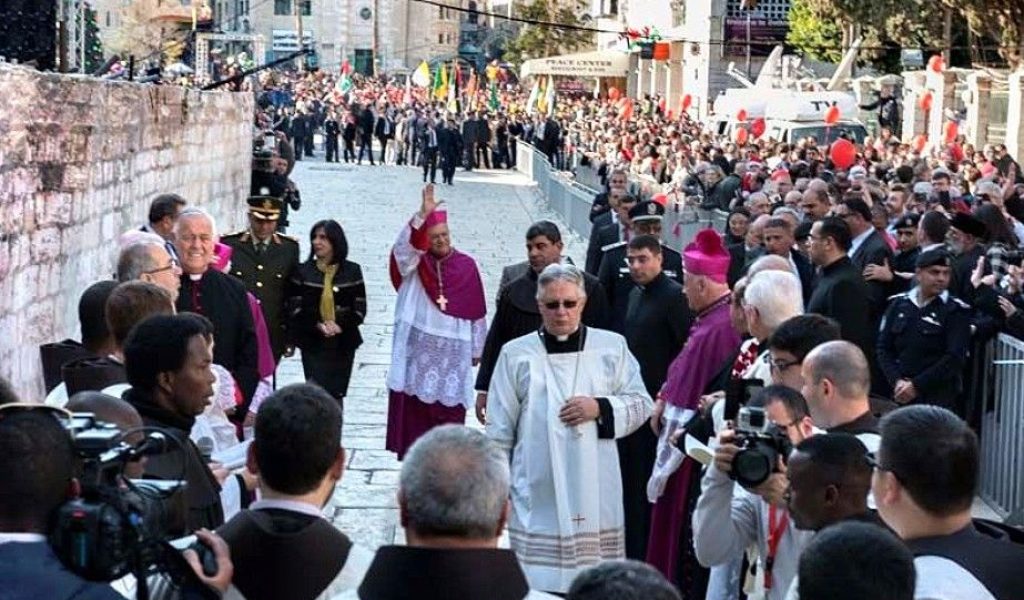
(442, 302)
(578, 519)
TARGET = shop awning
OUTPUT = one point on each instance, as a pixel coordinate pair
(603, 63)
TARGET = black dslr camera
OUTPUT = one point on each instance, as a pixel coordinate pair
(761, 444)
(119, 526)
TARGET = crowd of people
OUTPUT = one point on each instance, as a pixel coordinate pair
(783, 408)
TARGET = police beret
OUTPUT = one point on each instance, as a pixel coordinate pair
(937, 257)
(647, 210)
(968, 224)
(907, 221)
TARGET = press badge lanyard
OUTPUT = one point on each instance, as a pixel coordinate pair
(775, 531)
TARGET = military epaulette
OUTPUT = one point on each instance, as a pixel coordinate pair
(613, 246)
(901, 295)
(960, 302)
(666, 248)
(284, 236)
(235, 234)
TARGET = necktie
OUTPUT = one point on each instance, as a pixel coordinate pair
(261, 247)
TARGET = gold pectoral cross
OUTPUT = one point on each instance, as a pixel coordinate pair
(442, 302)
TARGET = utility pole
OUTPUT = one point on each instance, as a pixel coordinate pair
(81, 35)
(375, 46)
(947, 37)
(298, 28)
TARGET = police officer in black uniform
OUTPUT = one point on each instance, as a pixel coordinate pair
(900, 272)
(614, 273)
(264, 261)
(922, 345)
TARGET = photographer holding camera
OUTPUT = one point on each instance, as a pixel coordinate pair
(728, 519)
(38, 464)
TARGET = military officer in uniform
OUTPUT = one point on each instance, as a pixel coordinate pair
(264, 261)
(899, 273)
(614, 271)
(922, 345)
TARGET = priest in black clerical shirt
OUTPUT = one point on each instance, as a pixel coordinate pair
(218, 297)
(517, 313)
(656, 325)
(282, 546)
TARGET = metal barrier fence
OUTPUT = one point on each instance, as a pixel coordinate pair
(1002, 430)
(571, 197)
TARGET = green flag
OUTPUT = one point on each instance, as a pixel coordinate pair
(494, 103)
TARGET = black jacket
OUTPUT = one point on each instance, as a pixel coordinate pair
(222, 299)
(842, 294)
(657, 324)
(805, 271)
(617, 281)
(739, 259)
(307, 285)
(874, 251)
(603, 233)
(32, 571)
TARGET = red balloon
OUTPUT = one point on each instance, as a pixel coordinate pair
(758, 127)
(613, 93)
(842, 153)
(741, 115)
(919, 142)
(925, 101)
(740, 136)
(660, 198)
(951, 131)
(687, 102)
(832, 115)
(935, 63)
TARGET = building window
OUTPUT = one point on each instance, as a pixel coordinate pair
(282, 7)
(108, 18)
(440, 38)
(440, 12)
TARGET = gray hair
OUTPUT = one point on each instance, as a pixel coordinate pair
(194, 212)
(559, 272)
(135, 260)
(777, 296)
(454, 482)
(769, 262)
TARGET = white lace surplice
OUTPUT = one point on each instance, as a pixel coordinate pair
(431, 353)
(566, 488)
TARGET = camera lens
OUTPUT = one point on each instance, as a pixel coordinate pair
(752, 467)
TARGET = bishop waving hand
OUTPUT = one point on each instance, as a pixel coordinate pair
(559, 398)
(440, 328)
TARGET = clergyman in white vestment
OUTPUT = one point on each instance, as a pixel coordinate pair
(558, 400)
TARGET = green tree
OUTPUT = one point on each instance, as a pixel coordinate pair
(93, 44)
(818, 38)
(536, 41)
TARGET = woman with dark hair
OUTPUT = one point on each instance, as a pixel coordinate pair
(999, 238)
(736, 226)
(327, 308)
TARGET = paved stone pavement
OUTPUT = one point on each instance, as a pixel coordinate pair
(489, 212)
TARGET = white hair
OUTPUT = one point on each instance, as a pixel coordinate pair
(777, 296)
(194, 212)
(454, 482)
(559, 272)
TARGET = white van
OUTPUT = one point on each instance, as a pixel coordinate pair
(789, 115)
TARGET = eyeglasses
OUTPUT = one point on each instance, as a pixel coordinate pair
(173, 264)
(779, 364)
(556, 304)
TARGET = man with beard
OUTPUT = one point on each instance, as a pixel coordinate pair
(517, 313)
(440, 328)
(964, 238)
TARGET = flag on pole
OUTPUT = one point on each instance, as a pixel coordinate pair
(549, 101)
(441, 82)
(344, 84)
(453, 92)
(421, 76)
(494, 103)
(542, 96)
(346, 67)
(407, 94)
(531, 103)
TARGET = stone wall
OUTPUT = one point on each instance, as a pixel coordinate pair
(80, 159)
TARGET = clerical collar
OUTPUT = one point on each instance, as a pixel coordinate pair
(572, 343)
(295, 506)
(195, 276)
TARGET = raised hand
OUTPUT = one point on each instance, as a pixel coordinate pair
(429, 203)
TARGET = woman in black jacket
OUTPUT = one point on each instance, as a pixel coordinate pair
(328, 306)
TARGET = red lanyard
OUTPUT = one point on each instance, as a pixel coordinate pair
(775, 533)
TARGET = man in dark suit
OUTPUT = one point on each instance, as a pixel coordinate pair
(469, 137)
(656, 324)
(483, 141)
(841, 292)
(297, 129)
(743, 254)
(428, 145)
(617, 184)
(385, 131)
(550, 138)
(608, 229)
(779, 240)
(219, 297)
(866, 248)
(265, 261)
(364, 129)
(348, 134)
(331, 131)
(449, 143)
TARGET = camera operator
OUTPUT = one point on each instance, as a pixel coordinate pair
(728, 518)
(37, 463)
(168, 360)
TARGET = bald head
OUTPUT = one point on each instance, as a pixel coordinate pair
(842, 363)
(106, 408)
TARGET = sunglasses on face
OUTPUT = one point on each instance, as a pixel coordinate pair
(556, 304)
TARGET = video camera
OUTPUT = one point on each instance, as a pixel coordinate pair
(118, 526)
(761, 443)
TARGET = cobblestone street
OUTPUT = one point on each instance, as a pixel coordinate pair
(489, 212)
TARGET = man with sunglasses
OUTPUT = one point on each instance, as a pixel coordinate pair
(567, 511)
(925, 480)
